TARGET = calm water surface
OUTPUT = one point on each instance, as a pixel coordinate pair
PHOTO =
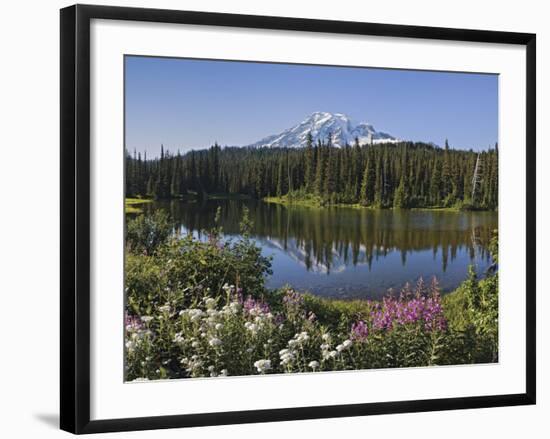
(347, 252)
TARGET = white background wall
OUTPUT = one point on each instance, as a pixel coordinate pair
(29, 200)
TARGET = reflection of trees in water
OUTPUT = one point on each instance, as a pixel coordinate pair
(351, 235)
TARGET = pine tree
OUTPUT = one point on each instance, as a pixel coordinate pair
(319, 169)
(309, 164)
(281, 179)
(329, 188)
(446, 177)
(400, 196)
(435, 184)
(405, 174)
(369, 181)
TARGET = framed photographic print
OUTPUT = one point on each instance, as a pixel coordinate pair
(267, 218)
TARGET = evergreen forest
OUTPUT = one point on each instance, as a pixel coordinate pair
(399, 175)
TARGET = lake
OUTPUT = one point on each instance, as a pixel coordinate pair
(350, 252)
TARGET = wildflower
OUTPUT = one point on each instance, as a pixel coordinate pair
(132, 323)
(178, 338)
(255, 307)
(252, 327)
(347, 343)
(215, 342)
(212, 313)
(235, 307)
(314, 365)
(218, 326)
(140, 379)
(326, 337)
(286, 356)
(164, 308)
(146, 319)
(195, 314)
(293, 299)
(195, 344)
(262, 365)
(359, 330)
(210, 302)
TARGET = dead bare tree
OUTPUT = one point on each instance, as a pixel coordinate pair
(477, 177)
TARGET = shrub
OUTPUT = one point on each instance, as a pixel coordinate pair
(182, 270)
(146, 233)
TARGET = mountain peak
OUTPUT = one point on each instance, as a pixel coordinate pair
(321, 125)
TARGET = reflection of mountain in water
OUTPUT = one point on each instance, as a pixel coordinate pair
(329, 240)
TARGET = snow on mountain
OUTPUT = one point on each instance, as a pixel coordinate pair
(320, 124)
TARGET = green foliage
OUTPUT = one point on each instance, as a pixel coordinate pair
(472, 312)
(147, 232)
(131, 204)
(401, 174)
(286, 333)
(199, 307)
(400, 198)
(182, 270)
(493, 246)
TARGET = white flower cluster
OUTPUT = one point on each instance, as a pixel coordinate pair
(252, 327)
(314, 365)
(135, 340)
(286, 356)
(345, 345)
(215, 342)
(194, 314)
(210, 303)
(164, 308)
(299, 339)
(326, 351)
(193, 364)
(262, 365)
(232, 309)
(178, 338)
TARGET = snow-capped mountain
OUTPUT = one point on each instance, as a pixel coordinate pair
(322, 124)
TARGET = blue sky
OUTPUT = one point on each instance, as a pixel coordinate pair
(190, 104)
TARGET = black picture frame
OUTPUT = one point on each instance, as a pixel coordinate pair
(75, 217)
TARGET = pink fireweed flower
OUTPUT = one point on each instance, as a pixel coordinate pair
(132, 323)
(254, 307)
(410, 308)
(359, 331)
(293, 298)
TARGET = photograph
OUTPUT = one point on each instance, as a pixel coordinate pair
(297, 218)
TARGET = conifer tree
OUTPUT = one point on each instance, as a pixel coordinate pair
(369, 181)
(309, 164)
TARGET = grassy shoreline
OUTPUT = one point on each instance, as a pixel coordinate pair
(316, 202)
(130, 204)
